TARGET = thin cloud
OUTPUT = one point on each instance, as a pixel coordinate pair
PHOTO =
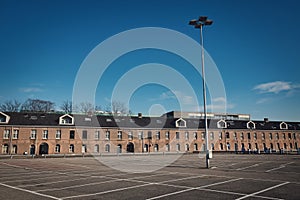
(30, 89)
(275, 87)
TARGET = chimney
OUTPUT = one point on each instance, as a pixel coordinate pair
(140, 115)
(266, 120)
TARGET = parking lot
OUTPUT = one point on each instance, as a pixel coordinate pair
(231, 176)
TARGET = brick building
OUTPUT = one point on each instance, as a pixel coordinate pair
(52, 133)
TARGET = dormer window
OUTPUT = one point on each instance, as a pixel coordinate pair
(66, 120)
(221, 124)
(283, 125)
(4, 119)
(250, 125)
(180, 123)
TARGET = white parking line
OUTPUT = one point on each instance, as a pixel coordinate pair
(29, 191)
(242, 168)
(264, 190)
(108, 191)
(189, 189)
(281, 166)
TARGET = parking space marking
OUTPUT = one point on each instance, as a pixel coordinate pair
(29, 191)
(108, 191)
(281, 166)
(236, 193)
(264, 190)
(190, 189)
(242, 168)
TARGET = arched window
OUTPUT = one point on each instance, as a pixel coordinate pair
(107, 148)
(57, 148)
(167, 147)
(14, 149)
(177, 147)
(156, 148)
(96, 148)
(71, 148)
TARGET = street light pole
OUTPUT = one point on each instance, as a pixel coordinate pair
(203, 21)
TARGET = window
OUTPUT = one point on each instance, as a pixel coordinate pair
(45, 134)
(289, 136)
(57, 148)
(107, 135)
(234, 135)
(6, 134)
(242, 136)
(15, 134)
(130, 135)
(249, 136)
(180, 123)
(202, 135)
(186, 135)
(283, 136)
(140, 135)
(276, 136)
(84, 134)
(156, 147)
(58, 134)
(212, 146)
(5, 148)
(270, 136)
(107, 148)
(158, 135)
(177, 147)
(221, 124)
(167, 147)
(254, 136)
(294, 136)
(212, 136)
(220, 135)
(119, 135)
(71, 148)
(97, 135)
(167, 135)
(195, 147)
(291, 146)
(228, 146)
(221, 146)
(263, 136)
(14, 149)
(251, 125)
(249, 146)
(96, 148)
(149, 135)
(119, 148)
(83, 148)
(195, 136)
(187, 147)
(72, 134)
(227, 135)
(177, 135)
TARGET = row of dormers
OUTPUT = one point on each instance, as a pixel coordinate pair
(68, 119)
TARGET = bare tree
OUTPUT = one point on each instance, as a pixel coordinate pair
(37, 105)
(10, 106)
(66, 106)
(119, 108)
(86, 108)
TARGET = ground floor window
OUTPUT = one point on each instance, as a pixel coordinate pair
(71, 148)
(14, 149)
(5, 148)
(57, 148)
(96, 148)
(107, 148)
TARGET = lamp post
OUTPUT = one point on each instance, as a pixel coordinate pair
(199, 23)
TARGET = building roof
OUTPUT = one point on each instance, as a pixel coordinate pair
(136, 122)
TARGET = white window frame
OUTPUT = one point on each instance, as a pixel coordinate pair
(15, 134)
(33, 134)
(45, 134)
(58, 134)
(6, 134)
(57, 148)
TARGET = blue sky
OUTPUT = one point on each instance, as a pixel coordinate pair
(254, 43)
